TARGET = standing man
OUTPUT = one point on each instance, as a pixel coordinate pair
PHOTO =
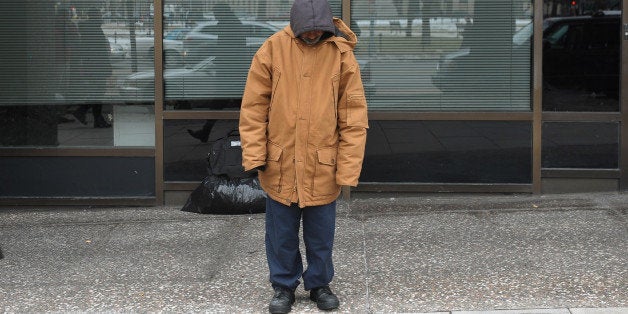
(96, 68)
(303, 126)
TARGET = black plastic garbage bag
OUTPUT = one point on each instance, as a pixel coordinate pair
(220, 194)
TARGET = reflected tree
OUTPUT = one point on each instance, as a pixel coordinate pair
(414, 10)
(131, 25)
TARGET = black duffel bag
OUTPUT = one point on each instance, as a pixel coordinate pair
(227, 189)
(225, 157)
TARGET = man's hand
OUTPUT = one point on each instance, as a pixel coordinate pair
(345, 191)
(258, 168)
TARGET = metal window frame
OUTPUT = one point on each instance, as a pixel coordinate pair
(623, 135)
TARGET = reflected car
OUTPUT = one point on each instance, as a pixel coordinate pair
(145, 47)
(583, 53)
(202, 40)
(172, 45)
(579, 53)
(195, 82)
(198, 82)
(469, 70)
(118, 51)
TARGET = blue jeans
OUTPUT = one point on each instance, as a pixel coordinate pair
(282, 244)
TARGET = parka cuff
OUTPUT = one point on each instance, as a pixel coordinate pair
(261, 166)
(341, 182)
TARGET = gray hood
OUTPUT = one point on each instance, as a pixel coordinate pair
(310, 15)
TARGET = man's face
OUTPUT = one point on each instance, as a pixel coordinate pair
(311, 37)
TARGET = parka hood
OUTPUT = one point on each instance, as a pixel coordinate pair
(344, 38)
(310, 15)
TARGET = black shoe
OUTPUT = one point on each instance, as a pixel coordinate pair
(282, 301)
(200, 135)
(100, 122)
(324, 298)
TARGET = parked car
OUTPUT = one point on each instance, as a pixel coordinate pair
(195, 82)
(118, 51)
(579, 53)
(172, 45)
(201, 81)
(220, 74)
(145, 47)
(202, 41)
(478, 66)
(583, 52)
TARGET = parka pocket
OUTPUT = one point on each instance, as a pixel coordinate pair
(276, 75)
(335, 85)
(272, 173)
(357, 111)
(324, 182)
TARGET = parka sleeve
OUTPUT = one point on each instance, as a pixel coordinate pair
(254, 111)
(352, 123)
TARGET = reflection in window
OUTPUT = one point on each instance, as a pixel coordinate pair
(448, 152)
(441, 55)
(581, 61)
(396, 151)
(580, 145)
(61, 83)
(214, 55)
(187, 144)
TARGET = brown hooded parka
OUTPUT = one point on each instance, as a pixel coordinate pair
(304, 113)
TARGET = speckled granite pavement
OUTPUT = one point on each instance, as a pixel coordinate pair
(394, 254)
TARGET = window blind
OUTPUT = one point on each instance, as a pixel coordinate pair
(446, 55)
(220, 40)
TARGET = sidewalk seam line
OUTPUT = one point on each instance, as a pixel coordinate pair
(366, 266)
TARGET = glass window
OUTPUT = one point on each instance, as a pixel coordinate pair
(581, 56)
(580, 145)
(187, 144)
(396, 151)
(448, 152)
(65, 63)
(214, 55)
(445, 55)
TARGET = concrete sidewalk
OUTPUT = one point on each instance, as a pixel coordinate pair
(394, 254)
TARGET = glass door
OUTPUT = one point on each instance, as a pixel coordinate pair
(582, 103)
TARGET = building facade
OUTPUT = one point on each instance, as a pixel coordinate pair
(118, 101)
